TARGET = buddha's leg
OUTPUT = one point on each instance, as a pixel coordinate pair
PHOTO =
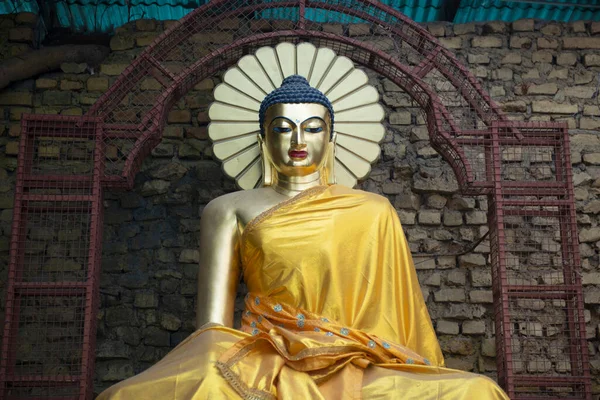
(187, 372)
(425, 383)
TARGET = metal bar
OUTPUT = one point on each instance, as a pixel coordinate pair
(426, 64)
(94, 252)
(58, 197)
(534, 203)
(532, 213)
(302, 15)
(17, 251)
(501, 298)
(569, 235)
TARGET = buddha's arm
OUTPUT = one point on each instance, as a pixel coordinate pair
(219, 265)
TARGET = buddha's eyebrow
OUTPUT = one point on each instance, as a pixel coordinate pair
(314, 117)
(282, 117)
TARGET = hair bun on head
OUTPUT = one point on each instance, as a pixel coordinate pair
(295, 80)
(294, 89)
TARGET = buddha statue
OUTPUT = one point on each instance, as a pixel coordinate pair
(334, 309)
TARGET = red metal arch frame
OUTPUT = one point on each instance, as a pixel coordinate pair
(36, 190)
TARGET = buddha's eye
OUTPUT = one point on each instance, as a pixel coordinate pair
(315, 129)
(281, 129)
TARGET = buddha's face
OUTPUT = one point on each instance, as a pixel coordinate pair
(297, 137)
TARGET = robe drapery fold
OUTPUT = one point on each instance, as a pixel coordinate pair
(335, 311)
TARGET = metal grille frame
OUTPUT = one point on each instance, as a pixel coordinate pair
(485, 150)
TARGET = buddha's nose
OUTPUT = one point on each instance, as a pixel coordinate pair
(298, 139)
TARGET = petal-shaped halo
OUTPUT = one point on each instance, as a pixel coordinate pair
(234, 114)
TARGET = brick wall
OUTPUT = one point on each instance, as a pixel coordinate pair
(537, 71)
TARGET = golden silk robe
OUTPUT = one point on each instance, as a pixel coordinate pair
(335, 311)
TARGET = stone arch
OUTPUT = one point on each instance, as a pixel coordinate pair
(470, 136)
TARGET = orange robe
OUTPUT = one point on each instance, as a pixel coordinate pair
(335, 311)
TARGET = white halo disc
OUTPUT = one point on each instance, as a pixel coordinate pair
(234, 114)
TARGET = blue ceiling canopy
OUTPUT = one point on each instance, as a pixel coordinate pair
(104, 16)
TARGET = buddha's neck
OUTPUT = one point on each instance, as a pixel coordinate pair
(292, 185)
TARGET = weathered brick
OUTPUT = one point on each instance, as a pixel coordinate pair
(146, 299)
(578, 27)
(26, 18)
(478, 59)
(559, 74)
(567, 59)
(550, 107)
(179, 116)
(66, 84)
(400, 118)
(512, 58)
(437, 29)
(503, 74)
(453, 218)
(17, 112)
(523, 25)
(518, 106)
(55, 98)
(113, 69)
(591, 60)
(472, 260)
(476, 217)
(12, 148)
(463, 29)
(542, 56)
(488, 347)
(359, 29)
(146, 24)
(473, 328)
(581, 43)
(97, 84)
(145, 39)
(518, 42)
(583, 77)
(552, 30)
(337, 29)
(547, 43)
(189, 256)
(481, 296)
(486, 42)
(481, 278)
(449, 295)
(447, 327)
(16, 98)
(122, 42)
(407, 217)
(451, 42)
(580, 92)
(544, 88)
(44, 83)
(456, 278)
(589, 123)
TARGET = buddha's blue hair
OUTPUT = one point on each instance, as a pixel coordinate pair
(294, 89)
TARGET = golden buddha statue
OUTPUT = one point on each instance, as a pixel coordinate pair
(334, 309)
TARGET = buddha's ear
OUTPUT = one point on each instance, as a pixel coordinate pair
(267, 169)
(330, 161)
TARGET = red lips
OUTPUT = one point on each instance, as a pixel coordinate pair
(298, 154)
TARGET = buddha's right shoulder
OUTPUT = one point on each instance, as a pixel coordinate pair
(228, 204)
(221, 206)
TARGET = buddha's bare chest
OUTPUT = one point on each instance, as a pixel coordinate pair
(250, 205)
